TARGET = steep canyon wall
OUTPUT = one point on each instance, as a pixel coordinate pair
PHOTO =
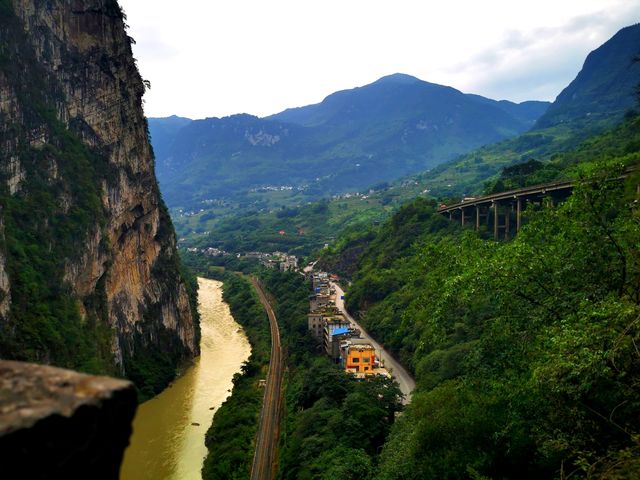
(89, 274)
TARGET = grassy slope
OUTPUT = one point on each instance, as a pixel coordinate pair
(467, 175)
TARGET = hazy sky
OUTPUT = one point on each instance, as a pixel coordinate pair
(208, 58)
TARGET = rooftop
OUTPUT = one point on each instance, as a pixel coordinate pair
(361, 347)
(336, 319)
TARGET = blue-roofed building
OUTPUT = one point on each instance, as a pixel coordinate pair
(340, 331)
(332, 339)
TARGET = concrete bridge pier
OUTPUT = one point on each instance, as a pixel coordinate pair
(501, 219)
(482, 216)
(502, 216)
(464, 217)
(502, 207)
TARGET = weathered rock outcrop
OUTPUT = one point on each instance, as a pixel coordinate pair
(83, 213)
(56, 423)
(5, 291)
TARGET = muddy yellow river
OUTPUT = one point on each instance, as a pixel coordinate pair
(166, 443)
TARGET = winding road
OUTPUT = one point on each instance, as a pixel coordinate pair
(266, 453)
(398, 372)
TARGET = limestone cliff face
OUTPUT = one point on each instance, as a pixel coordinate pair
(5, 289)
(81, 111)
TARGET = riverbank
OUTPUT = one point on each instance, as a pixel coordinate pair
(169, 430)
(231, 438)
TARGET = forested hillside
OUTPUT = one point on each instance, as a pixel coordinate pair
(309, 227)
(525, 352)
(395, 126)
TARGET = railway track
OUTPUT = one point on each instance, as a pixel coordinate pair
(266, 452)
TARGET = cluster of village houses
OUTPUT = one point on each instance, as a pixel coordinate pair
(209, 251)
(275, 260)
(340, 339)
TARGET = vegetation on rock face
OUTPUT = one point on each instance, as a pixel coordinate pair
(54, 177)
(44, 323)
(524, 352)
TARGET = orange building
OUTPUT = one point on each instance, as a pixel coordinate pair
(360, 358)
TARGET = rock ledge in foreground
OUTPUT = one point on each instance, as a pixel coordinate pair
(57, 423)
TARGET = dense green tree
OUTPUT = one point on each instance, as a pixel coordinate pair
(525, 352)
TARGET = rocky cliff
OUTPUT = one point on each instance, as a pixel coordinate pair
(89, 275)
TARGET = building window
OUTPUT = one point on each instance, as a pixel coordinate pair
(355, 360)
(366, 359)
(366, 368)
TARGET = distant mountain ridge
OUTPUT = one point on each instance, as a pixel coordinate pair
(340, 106)
(163, 131)
(395, 126)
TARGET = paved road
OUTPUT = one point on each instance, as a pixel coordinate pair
(405, 380)
(266, 453)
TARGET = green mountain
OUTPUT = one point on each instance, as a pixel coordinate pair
(606, 86)
(395, 126)
(538, 153)
(163, 131)
(603, 91)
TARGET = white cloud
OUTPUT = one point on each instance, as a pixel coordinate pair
(218, 57)
(538, 63)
